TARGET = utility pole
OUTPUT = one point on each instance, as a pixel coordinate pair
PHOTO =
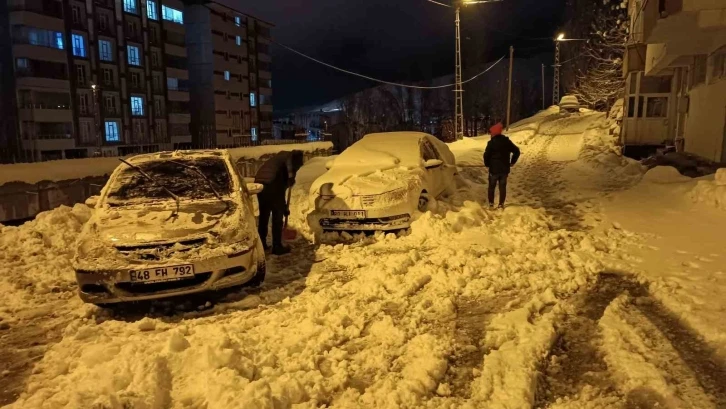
(543, 88)
(459, 86)
(459, 89)
(96, 115)
(509, 94)
(556, 83)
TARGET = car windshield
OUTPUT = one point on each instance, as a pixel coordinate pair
(177, 175)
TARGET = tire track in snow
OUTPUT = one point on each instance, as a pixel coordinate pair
(575, 363)
(26, 342)
(576, 371)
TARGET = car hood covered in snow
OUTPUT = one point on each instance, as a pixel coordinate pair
(148, 224)
(376, 164)
(360, 181)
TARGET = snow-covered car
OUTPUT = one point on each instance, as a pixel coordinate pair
(569, 103)
(380, 181)
(168, 224)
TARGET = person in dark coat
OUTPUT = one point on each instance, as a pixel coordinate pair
(277, 175)
(500, 155)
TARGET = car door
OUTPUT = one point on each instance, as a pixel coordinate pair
(434, 174)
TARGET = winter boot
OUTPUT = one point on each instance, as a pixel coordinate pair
(280, 250)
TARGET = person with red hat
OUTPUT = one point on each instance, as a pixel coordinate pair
(500, 155)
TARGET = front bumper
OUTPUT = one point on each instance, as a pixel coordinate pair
(401, 221)
(112, 286)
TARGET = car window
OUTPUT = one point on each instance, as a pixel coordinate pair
(428, 151)
(178, 176)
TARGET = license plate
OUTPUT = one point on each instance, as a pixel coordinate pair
(159, 274)
(358, 214)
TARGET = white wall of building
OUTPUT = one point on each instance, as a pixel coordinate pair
(706, 120)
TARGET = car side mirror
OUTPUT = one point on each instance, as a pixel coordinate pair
(329, 164)
(433, 163)
(255, 188)
(92, 201)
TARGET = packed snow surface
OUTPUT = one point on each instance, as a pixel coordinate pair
(469, 309)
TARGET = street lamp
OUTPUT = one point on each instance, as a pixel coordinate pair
(459, 88)
(556, 83)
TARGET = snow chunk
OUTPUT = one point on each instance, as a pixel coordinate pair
(664, 174)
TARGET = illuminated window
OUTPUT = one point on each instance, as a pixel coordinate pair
(226, 75)
(137, 106)
(130, 6)
(79, 45)
(133, 55)
(170, 14)
(111, 131)
(151, 10)
(104, 50)
(253, 101)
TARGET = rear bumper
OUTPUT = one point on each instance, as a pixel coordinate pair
(103, 287)
(401, 221)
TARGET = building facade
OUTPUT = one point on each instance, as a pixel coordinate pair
(230, 56)
(112, 77)
(675, 66)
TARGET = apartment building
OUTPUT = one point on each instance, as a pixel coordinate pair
(84, 78)
(229, 54)
(675, 67)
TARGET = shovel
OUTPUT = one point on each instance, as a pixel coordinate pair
(288, 234)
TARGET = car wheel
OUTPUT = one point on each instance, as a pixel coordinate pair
(259, 277)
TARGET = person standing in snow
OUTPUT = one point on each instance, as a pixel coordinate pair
(500, 155)
(277, 175)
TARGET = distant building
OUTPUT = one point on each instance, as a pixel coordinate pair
(113, 77)
(229, 55)
(675, 66)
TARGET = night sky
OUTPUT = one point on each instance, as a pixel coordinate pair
(396, 40)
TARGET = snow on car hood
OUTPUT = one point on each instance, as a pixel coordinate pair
(371, 179)
(138, 225)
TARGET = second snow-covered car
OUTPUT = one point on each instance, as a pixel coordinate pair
(168, 224)
(380, 181)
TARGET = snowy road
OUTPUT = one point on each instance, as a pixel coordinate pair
(533, 306)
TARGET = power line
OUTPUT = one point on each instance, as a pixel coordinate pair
(382, 81)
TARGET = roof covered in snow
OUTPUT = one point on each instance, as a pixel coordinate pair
(392, 148)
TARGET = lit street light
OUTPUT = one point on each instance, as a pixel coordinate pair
(556, 83)
(459, 88)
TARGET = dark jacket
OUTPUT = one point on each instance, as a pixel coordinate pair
(280, 170)
(497, 155)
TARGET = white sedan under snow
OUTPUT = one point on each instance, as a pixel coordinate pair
(380, 181)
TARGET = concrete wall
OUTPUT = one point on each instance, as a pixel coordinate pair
(20, 200)
(704, 132)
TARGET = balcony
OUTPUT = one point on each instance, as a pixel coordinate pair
(48, 8)
(634, 58)
(45, 114)
(109, 4)
(111, 112)
(666, 21)
(49, 142)
(179, 118)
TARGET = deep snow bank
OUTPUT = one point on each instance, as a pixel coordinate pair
(679, 247)
(711, 192)
(35, 258)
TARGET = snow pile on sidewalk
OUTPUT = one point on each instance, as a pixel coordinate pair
(712, 192)
(679, 248)
(35, 258)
